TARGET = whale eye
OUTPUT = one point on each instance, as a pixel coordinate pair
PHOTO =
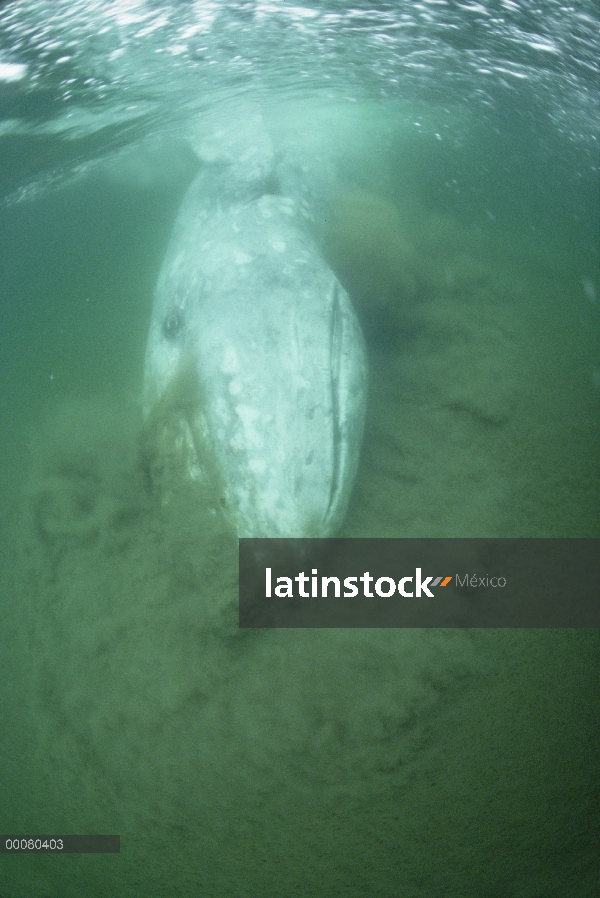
(173, 324)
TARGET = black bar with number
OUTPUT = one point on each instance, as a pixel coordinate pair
(60, 844)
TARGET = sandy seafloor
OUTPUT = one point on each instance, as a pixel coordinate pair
(404, 764)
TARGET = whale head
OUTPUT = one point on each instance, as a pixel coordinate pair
(247, 311)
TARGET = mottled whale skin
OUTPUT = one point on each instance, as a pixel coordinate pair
(245, 297)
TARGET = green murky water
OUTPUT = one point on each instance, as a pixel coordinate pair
(412, 764)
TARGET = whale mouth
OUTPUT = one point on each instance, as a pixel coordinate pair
(348, 387)
(335, 364)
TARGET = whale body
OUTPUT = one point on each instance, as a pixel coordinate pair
(246, 301)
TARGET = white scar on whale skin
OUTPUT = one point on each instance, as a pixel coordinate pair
(245, 297)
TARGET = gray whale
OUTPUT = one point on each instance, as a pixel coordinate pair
(246, 301)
